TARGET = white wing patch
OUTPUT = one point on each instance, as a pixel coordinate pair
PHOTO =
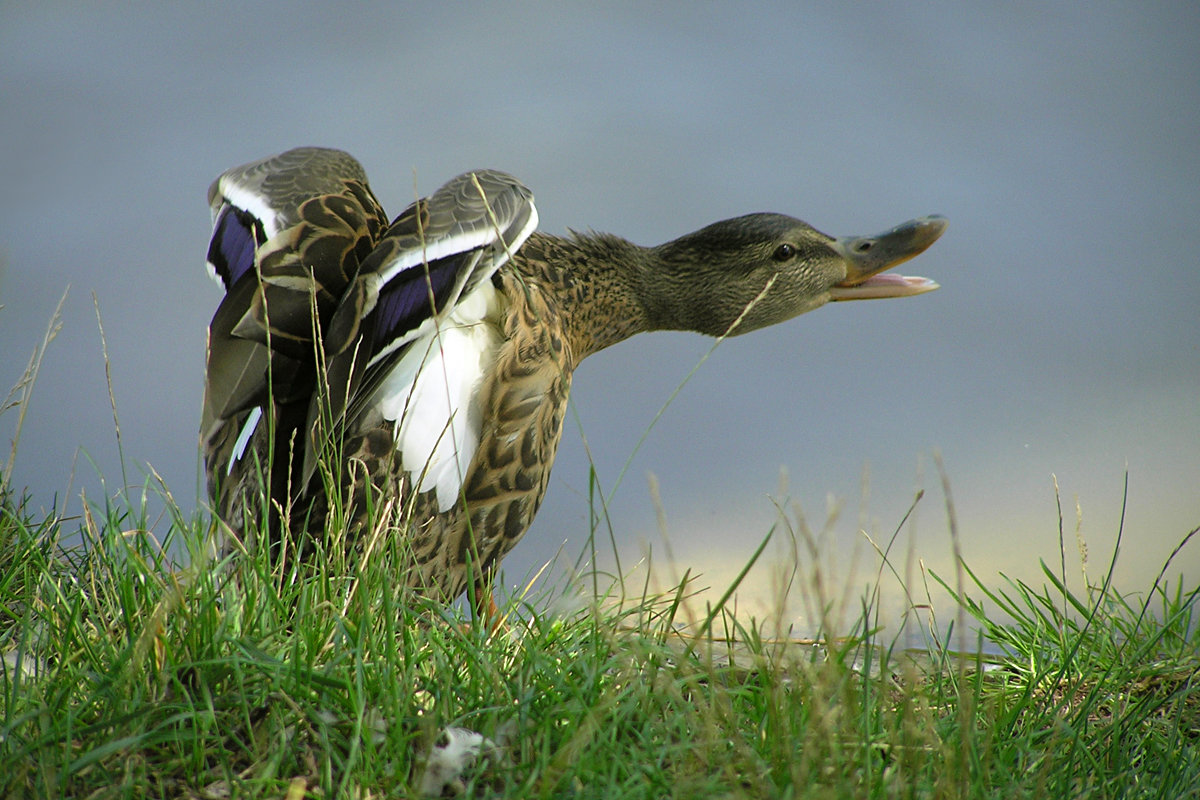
(427, 326)
(248, 200)
(432, 393)
(212, 273)
(460, 243)
(239, 446)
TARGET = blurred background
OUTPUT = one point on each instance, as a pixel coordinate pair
(1060, 140)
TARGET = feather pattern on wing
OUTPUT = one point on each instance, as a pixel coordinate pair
(419, 327)
(289, 234)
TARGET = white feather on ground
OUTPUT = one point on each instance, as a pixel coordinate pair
(456, 752)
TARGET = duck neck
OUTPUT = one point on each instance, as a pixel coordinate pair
(599, 285)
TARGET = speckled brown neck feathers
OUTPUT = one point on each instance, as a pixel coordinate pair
(594, 280)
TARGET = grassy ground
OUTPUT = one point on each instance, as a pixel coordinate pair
(126, 676)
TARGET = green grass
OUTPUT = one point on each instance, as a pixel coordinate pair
(126, 674)
(140, 678)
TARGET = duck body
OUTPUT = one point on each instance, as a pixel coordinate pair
(414, 376)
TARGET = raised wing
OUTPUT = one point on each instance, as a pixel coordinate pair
(289, 235)
(412, 339)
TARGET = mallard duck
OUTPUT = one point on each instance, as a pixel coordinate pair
(417, 373)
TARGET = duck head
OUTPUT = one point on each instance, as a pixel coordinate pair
(749, 272)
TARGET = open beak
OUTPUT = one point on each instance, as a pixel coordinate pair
(868, 256)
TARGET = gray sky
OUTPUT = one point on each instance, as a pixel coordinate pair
(1061, 141)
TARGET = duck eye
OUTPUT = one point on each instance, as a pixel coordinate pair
(784, 252)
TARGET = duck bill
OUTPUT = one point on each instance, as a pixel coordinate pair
(869, 256)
